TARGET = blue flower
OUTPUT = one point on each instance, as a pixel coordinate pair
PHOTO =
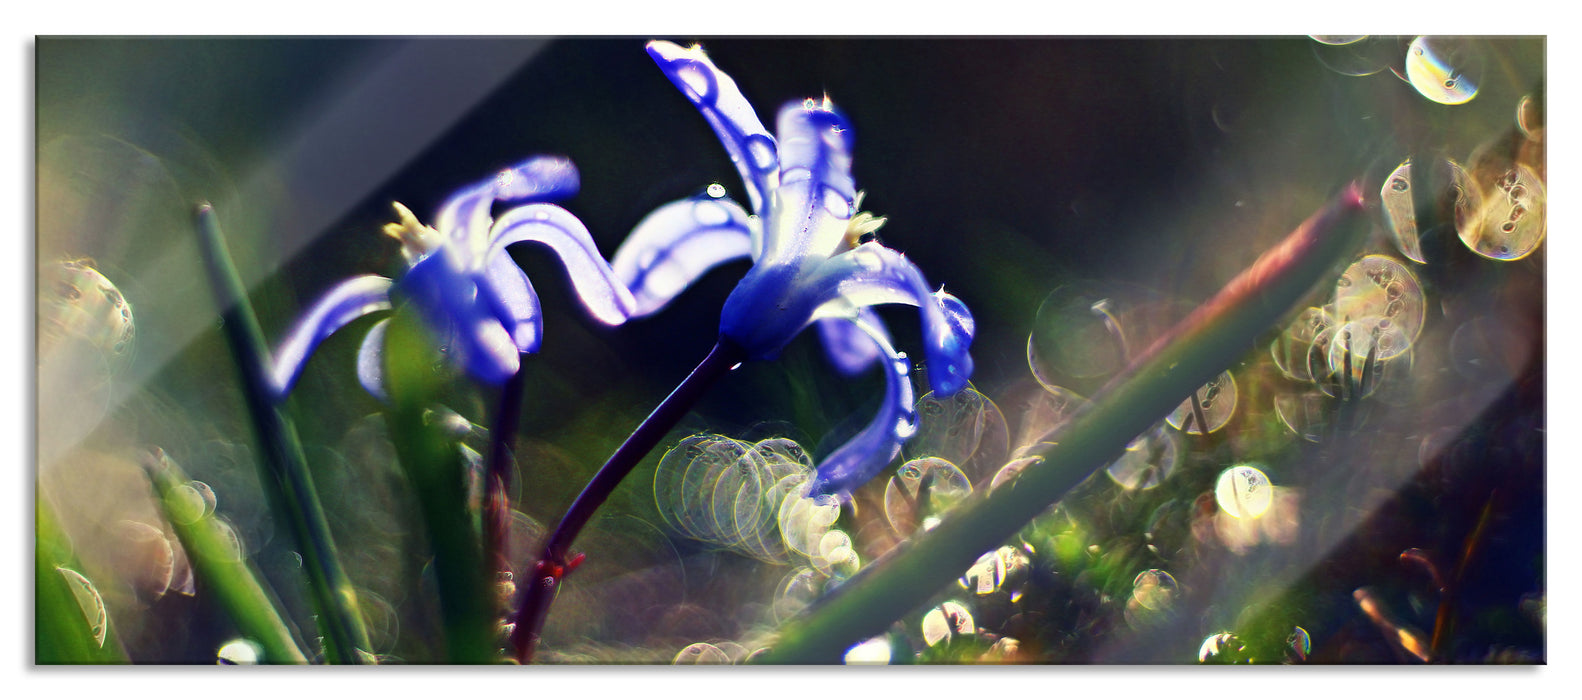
(815, 259)
(479, 305)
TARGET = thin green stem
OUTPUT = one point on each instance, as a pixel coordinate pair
(553, 564)
(1197, 349)
(435, 470)
(284, 471)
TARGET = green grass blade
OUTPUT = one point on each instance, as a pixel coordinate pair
(69, 624)
(218, 563)
(284, 470)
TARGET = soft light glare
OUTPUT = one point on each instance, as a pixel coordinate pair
(874, 652)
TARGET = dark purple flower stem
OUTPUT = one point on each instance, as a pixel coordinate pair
(553, 561)
(500, 476)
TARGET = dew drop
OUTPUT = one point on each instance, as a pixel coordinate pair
(185, 505)
(761, 150)
(93, 610)
(874, 652)
(238, 652)
(697, 81)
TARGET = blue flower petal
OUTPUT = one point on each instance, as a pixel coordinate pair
(464, 218)
(370, 361)
(344, 303)
(540, 179)
(848, 346)
(678, 243)
(512, 296)
(447, 296)
(864, 456)
(716, 96)
(816, 193)
(608, 300)
(872, 274)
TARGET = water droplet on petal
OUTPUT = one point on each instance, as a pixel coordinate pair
(761, 150)
(699, 83)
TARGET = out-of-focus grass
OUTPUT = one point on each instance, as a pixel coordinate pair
(71, 625)
(218, 562)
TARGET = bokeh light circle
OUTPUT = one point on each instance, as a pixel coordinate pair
(1243, 492)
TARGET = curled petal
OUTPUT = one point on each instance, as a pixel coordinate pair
(538, 179)
(715, 95)
(952, 344)
(847, 345)
(604, 296)
(465, 216)
(872, 274)
(344, 303)
(371, 362)
(864, 456)
(513, 299)
(447, 296)
(816, 194)
(676, 244)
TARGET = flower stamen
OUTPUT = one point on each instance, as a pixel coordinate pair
(417, 240)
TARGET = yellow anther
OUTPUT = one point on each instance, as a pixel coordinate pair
(416, 239)
(862, 224)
